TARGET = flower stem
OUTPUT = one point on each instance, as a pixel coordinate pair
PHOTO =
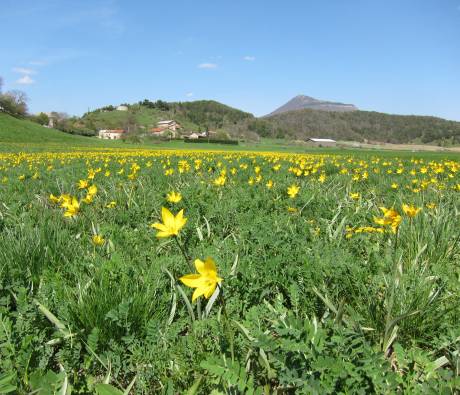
(227, 327)
(184, 253)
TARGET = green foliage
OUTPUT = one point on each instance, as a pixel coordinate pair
(360, 126)
(41, 119)
(212, 141)
(13, 103)
(27, 133)
(303, 309)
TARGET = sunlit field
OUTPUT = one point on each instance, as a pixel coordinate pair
(191, 272)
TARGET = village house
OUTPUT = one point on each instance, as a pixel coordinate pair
(165, 129)
(169, 124)
(163, 132)
(322, 142)
(111, 134)
(197, 135)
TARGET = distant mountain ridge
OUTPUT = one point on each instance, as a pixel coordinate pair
(322, 119)
(359, 126)
(302, 102)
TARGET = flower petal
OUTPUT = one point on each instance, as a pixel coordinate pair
(198, 292)
(167, 217)
(210, 265)
(192, 280)
(210, 291)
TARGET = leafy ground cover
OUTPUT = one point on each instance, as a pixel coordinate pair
(143, 271)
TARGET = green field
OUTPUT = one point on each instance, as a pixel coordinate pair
(340, 269)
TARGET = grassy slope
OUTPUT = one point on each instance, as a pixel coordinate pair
(17, 134)
(145, 117)
(192, 116)
(13, 130)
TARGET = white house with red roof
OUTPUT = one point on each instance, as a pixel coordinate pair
(111, 134)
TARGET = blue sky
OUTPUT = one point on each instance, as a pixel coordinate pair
(396, 56)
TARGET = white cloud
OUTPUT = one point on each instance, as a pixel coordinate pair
(207, 66)
(189, 94)
(250, 58)
(22, 70)
(25, 80)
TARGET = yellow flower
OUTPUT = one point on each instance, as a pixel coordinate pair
(54, 199)
(431, 205)
(410, 211)
(220, 181)
(98, 240)
(355, 195)
(22, 177)
(394, 186)
(72, 208)
(66, 200)
(171, 224)
(269, 184)
(173, 197)
(390, 217)
(205, 281)
(92, 190)
(82, 184)
(292, 191)
(322, 178)
(112, 204)
(88, 198)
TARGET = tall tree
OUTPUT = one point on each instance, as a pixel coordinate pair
(14, 102)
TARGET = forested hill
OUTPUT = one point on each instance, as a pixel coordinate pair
(193, 116)
(209, 113)
(300, 124)
(358, 126)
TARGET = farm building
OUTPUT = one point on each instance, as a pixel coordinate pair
(170, 125)
(163, 132)
(122, 108)
(322, 142)
(111, 134)
(197, 135)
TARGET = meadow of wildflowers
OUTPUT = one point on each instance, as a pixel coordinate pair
(139, 271)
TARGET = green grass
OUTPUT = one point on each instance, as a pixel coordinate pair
(304, 308)
(19, 131)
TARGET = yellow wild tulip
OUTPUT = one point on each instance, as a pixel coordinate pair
(292, 191)
(205, 281)
(83, 184)
(72, 208)
(410, 211)
(98, 240)
(171, 225)
(173, 197)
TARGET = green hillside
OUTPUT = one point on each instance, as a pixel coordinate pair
(14, 130)
(359, 126)
(142, 116)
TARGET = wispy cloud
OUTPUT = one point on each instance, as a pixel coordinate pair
(22, 70)
(250, 58)
(25, 80)
(207, 66)
(189, 94)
